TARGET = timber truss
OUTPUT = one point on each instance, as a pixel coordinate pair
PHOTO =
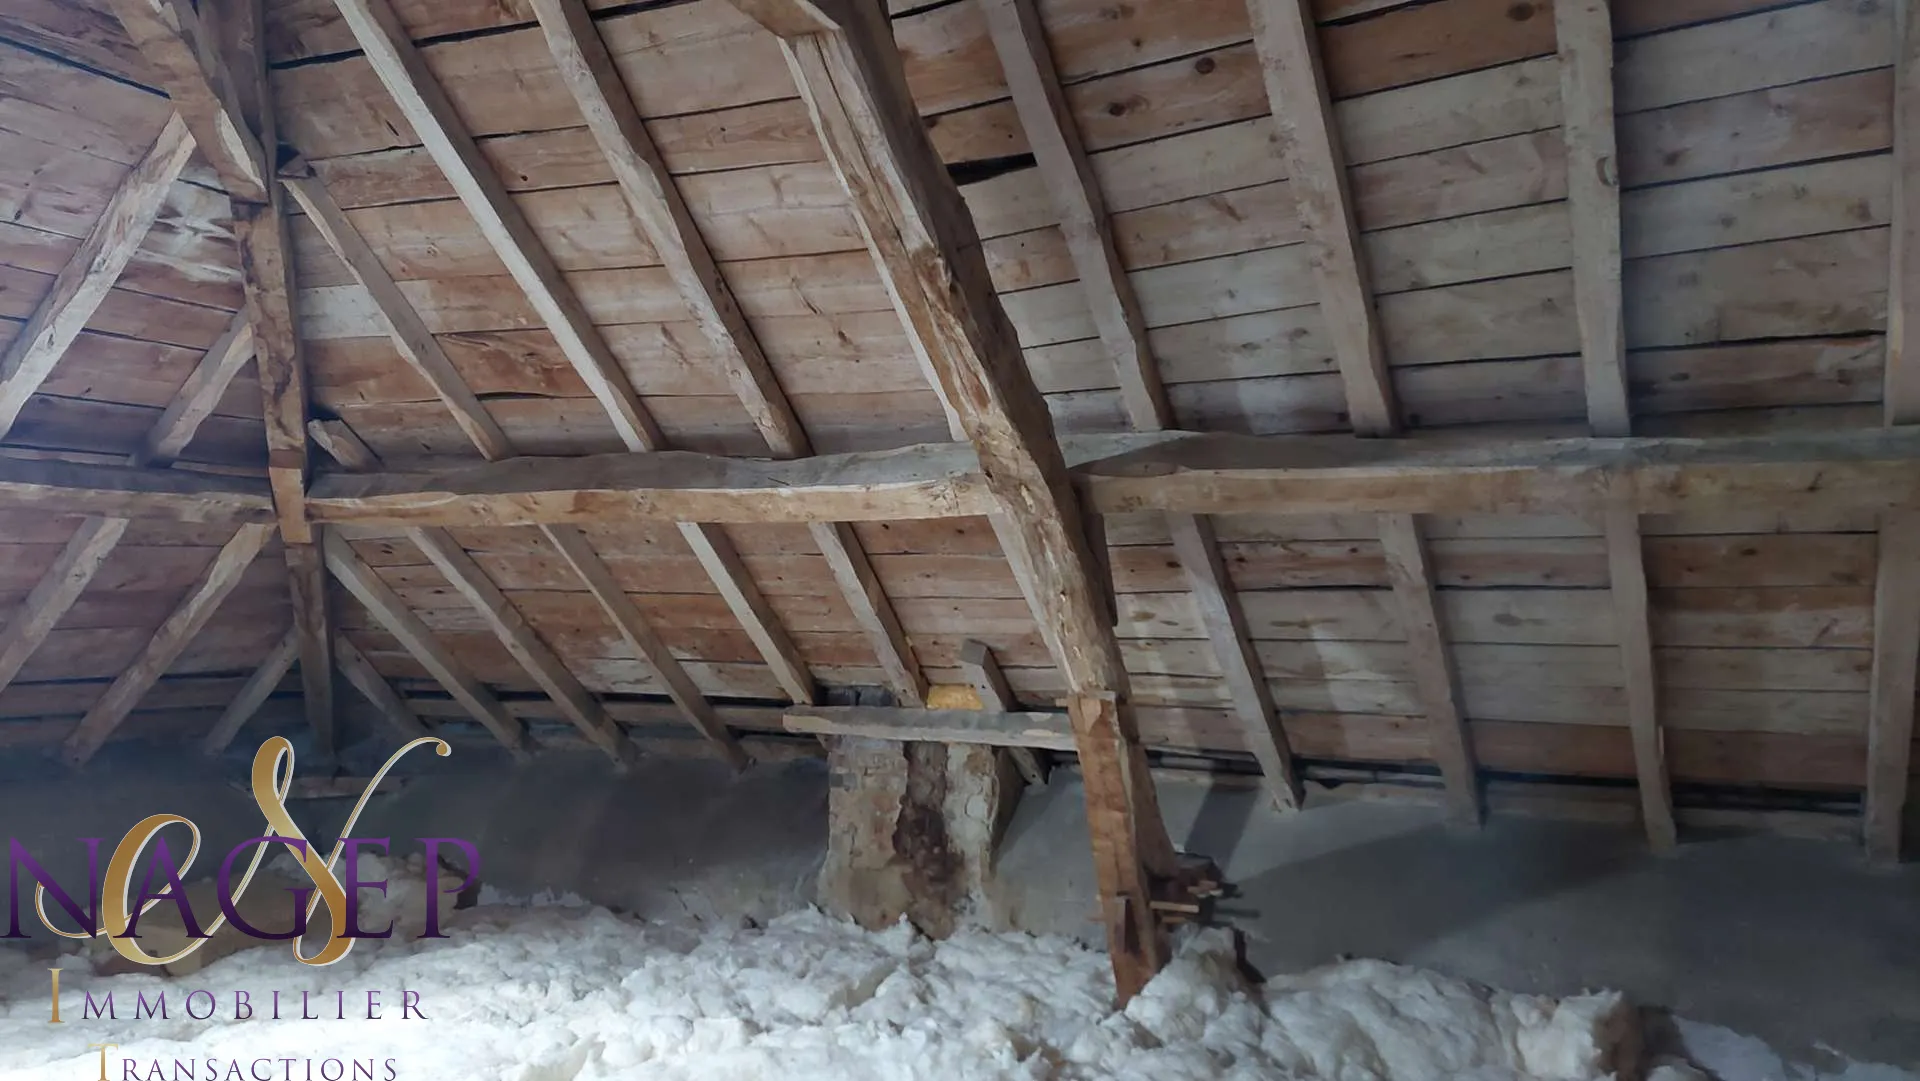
(1045, 496)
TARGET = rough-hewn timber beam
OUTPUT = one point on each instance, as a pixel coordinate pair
(88, 276)
(1896, 602)
(931, 482)
(213, 587)
(1627, 583)
(1584, 30)
(198, 397)
(393, 614)
(510, 626)
(925, 248)
(390, 52)
(1285, 38)
(1231, 474)
(589, 73)
(1149, 471)
(118, 491)
(367, 679)
(170, 35)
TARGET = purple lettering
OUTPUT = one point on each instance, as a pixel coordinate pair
(353, 885)
(230, 903)
(18, 858)
(164, 869)
(432, 846)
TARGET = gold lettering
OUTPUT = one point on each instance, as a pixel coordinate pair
(103, 1048)
(56, 998)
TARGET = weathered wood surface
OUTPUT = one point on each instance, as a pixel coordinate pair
(1431, 664)
(252, 695)
(399, 621)
(89, 274)
(167, 643)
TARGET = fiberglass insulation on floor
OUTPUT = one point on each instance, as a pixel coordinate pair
(580, 994)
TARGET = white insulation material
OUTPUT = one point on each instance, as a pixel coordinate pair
(555, 993)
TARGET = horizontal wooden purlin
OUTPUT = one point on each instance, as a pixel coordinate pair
(55, 487)
(1229, 474)
(1039, 731)
(929, 481)
(1160, 471)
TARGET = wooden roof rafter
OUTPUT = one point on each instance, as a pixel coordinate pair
(422, 100)
(1896, 595)
(1040, 100)
(63, 583)
(1584, 30)
(1286, 41)
(654, 199)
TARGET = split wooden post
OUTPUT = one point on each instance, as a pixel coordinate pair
(397, 62)
(1584, 30)
(849, 72)
(216, 583)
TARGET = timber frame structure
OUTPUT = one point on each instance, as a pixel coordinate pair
(1220, 380)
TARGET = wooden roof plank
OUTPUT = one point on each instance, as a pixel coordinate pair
(652, 195)
(640, 636)
(410, 335)
(1288, 43)
(89, 275)
(167, 643)
(424, 103)
(366, 679)
(253, 694)
(399, 621)
(518, 636)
